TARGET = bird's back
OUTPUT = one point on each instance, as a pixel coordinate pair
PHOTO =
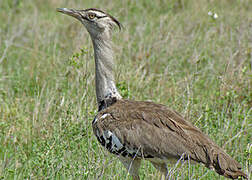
(147, 130)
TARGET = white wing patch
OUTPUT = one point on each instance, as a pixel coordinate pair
(112, 141)
(115, 146)
(102, 117)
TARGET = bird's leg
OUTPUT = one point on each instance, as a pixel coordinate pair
(132, 166)
(162, 167)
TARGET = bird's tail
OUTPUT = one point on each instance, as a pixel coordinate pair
(223, 164)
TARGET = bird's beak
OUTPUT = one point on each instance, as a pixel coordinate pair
(70, 12)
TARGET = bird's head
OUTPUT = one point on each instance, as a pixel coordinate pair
(96, 21)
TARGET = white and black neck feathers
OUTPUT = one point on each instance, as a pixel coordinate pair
(106, 91)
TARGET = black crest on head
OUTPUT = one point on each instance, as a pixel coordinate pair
(113, 18)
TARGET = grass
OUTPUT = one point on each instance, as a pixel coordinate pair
(168, 52)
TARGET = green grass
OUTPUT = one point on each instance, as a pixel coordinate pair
(170, 52)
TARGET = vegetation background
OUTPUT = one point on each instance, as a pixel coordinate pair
(170, 52)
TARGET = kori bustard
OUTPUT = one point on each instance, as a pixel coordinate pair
(137, 130)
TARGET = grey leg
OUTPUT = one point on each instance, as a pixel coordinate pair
(132, 165)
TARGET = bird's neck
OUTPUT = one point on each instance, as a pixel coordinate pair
(104, 79)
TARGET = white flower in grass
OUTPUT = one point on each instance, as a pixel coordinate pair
(215, 16)
(212, 14)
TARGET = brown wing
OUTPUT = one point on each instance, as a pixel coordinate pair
(146, 129)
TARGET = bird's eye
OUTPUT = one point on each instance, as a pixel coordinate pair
(91, 16)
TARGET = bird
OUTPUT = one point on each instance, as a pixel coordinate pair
(142, 130)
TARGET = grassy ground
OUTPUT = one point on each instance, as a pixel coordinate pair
(170, 52)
